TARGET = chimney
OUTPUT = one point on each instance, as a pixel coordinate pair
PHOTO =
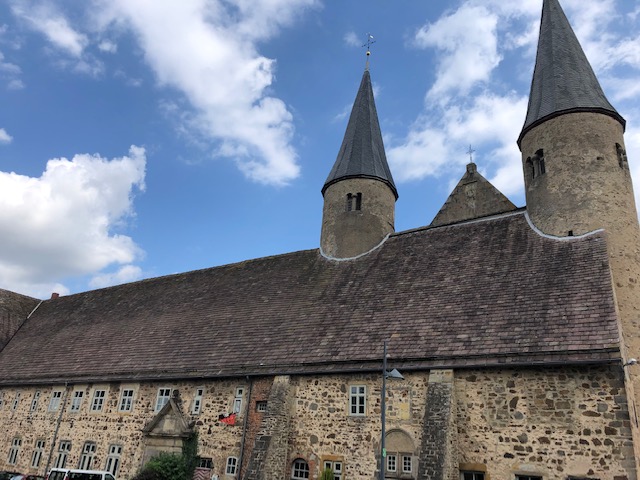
(54, 296)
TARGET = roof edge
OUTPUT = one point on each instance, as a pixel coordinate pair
(614, 114)
(361, 176)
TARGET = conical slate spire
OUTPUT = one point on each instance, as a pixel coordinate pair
(362, 152)
(563, 80)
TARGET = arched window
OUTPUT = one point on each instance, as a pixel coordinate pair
(539, 159)
(400, 461)
(299, 469)
(354, 201)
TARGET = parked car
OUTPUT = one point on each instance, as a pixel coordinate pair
(74, 474)
(4, 475)
(27, 477)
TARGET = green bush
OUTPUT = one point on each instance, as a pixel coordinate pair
(327, 474)
(164, 466)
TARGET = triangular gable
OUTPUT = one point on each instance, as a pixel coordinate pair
(168, 422)
(473, 197)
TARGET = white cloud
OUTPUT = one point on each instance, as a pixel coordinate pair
(68, 219)
(10, 73)
(352, 40)
(212, 59)
(125, 274)
(4, 136)
(467, 44)
(107, 46)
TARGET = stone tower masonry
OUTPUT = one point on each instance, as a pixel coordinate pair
(359, 194)
(576, 173)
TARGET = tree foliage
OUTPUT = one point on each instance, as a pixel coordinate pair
(171, 466)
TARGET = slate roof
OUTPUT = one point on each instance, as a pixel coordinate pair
(482, 293)
(362, 152)
(563, 80)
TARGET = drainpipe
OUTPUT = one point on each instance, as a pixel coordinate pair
(244, 426)
(55, 433)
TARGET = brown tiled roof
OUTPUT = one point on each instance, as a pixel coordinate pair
(14, 308)
(488, 292)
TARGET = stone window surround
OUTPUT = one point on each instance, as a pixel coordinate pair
(64, 448)
(113, 459)
(35, 400)
(127, 399)
(196, 406)
(232, 466)
(336, 464)
(162, 398)
(237, 401)
(76, 401)
(37, 453)
(471, 475)
(16, 402)
(14, 451)
(299, 469)
(261, 406)
(87, 456)
(99, 398)
(56, 399)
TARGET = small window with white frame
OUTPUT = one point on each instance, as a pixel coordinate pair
(232, 466)
(164, 394)
(237, 401)
(392, 463)
(88, 453)
(357, 400)
(468, 475)
(126, 400)
(54, 403)
(64, 449)
(38, 450)
(35, 400)
(113, 459)
(99, 396)
(335, 466)
(14, 451)
(407, 464)
(299, 469)
(16, 402)
(76, 401)
(196, 407)
(261, 406)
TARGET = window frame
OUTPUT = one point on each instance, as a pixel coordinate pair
(98, 400)
(299, 468)
(231, 466)
(164, 398)
(125, 403)
(55, 401)
(261, 406)
(38, 451)
(337, 472)
(112, 464)
(76, 401)
(475, 475)
(238, 400)
(64, 449)
(14, 451)
(16, 402)
(357, 400)
(196, 407)
(87, 455)
(35, 400)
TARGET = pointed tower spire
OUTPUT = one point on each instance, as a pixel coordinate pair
(359, 194)
(362, 152)
(563, 80)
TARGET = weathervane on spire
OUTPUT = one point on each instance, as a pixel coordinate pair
(370, 40)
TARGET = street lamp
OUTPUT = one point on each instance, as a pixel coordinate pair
(383, 413)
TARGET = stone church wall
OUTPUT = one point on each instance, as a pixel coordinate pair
(553, 422)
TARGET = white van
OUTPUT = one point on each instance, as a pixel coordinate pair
(73, 474)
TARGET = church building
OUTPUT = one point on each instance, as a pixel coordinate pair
(496, 343)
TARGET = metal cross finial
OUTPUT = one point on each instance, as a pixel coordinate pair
(471, 151)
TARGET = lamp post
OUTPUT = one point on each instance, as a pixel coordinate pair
(383, 411)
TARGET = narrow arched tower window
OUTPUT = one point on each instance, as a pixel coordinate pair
(539, 159)
(354, 201)
(622, 156)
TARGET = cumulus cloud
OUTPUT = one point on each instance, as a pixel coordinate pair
(351, 39)
(213, 60)
(4, 136)
(69, 219)
(125, 274)
(10, 73)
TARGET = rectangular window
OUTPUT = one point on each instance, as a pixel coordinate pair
(16, 402)
(197, 401)
(528, 477)
(164, 394)
(406, 464)
(14, 451)
(357, 400)
(98, 400)
(35, 400)
(37, 454)
(54, 404)
(232, 466)
(336, 467)
(205, 462)
(392, 463)
(126, 400)
(86, 459)
(237, 400)
(261, 406)
(77, 400)
(63, 452)
(471, 476)
(113, 459)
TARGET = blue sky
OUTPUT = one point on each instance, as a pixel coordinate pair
(140, 138)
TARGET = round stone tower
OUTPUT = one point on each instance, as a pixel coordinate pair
(359, 194)
(576, 172)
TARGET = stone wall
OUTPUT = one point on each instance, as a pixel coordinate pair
(553, 422)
